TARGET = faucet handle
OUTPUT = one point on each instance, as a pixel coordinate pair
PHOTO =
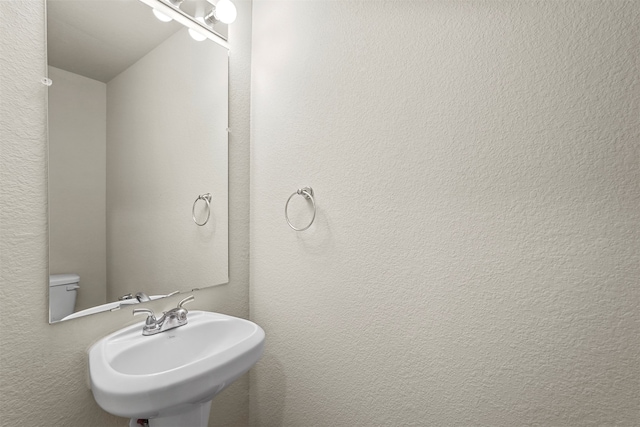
(186, 300)
(151, 319)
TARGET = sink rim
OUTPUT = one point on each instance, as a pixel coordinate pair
(196, 381)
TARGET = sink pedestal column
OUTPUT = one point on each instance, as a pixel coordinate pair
(196, 416)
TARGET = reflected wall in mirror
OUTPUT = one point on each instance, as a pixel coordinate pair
(137, 131)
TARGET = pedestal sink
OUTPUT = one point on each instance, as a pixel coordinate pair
(170, 378)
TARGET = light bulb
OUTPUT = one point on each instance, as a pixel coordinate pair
(161, 16)
(226, 11)
(196, 35)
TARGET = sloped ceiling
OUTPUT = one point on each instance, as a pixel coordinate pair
(101, 38)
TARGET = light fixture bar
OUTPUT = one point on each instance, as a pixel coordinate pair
(187, 20)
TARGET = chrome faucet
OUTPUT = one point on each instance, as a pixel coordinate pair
(170, 319)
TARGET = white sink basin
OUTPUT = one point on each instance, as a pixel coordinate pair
(173, 372)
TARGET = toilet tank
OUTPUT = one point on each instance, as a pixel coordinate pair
(63, 289)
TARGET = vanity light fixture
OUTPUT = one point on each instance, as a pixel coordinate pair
(164, 9)
(223, 11)
(161, 16)
(196, 35)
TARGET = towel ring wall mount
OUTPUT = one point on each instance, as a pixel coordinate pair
(207, 199)
(307, 193)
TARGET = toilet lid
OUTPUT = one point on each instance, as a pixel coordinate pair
(63, 279)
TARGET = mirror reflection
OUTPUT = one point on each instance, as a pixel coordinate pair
(137, 133)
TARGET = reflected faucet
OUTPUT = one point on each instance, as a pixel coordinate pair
(125, 297)
(142, 297)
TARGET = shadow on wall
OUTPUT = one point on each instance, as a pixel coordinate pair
(318, 238)
(270, 408)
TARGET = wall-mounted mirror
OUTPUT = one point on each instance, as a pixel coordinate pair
(137, 131)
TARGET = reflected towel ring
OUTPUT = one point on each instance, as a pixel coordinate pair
(307, 192)
(207, 199)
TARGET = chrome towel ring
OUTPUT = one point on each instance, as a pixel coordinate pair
(307, 193)
(207, 199)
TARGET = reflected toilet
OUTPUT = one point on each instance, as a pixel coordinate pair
(63, 290)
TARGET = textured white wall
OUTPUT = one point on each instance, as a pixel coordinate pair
(167, 119)
(77, 118)
(476, 256)
(42, 367)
